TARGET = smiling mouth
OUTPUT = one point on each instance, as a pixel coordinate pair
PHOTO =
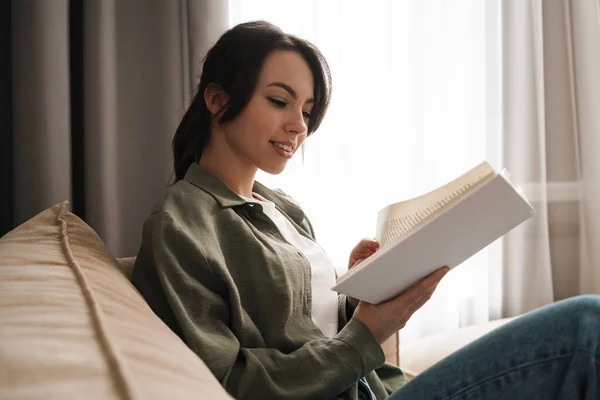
(282, 146)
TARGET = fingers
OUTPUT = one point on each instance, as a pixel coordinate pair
(384, 319)
(421, 302)
(421, 291)
(364, 249)
(405, 305)
(435, 277)
(369, 243)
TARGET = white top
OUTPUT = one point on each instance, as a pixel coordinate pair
(324, 300)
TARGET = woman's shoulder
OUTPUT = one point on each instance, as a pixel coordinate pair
(185, 202)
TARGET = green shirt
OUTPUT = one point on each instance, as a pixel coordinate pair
(217, 271)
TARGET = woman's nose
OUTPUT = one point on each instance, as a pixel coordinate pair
(297, 124)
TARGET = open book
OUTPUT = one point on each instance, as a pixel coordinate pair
(443, 227)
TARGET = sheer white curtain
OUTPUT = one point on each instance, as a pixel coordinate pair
(415, 103)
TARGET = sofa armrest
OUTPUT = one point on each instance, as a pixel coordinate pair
(391, 349)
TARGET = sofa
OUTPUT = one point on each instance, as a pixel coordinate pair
(72, 326)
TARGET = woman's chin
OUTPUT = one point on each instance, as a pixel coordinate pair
(274, 169)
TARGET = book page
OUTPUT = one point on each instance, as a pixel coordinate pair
(396, 220)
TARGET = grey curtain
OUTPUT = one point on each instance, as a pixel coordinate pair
(98, 88)
(551, 125)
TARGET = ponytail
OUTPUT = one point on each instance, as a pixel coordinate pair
(192, 136)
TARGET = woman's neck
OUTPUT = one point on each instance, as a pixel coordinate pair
(227, 166)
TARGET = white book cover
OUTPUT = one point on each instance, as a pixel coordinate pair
(442, 228)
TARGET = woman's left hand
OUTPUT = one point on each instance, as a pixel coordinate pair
(360, 252)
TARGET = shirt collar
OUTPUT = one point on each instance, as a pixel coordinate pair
(226, 198)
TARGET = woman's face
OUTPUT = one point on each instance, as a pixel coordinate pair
(273, 125)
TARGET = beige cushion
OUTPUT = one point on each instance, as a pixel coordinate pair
(422, 354)
(73, 327)
(126, 266)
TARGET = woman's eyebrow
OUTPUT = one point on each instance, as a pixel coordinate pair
(288, 89)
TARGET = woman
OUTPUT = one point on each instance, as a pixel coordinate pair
(232, 266)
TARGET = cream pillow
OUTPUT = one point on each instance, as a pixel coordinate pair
(73, 327)
(416, 357)
(126, 266)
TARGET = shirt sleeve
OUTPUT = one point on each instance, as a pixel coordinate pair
(197, 293)
(345, 311)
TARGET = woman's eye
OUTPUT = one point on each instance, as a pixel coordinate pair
(283, 104)
(278, 103)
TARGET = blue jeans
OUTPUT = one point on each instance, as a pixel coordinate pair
(550, 353)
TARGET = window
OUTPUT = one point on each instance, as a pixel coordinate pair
(415, 103)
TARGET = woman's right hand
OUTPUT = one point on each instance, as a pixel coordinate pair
(385, 319)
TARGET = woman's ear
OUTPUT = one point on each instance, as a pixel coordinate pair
(215, 98)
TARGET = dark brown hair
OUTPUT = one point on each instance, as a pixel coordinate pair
(234, 64)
